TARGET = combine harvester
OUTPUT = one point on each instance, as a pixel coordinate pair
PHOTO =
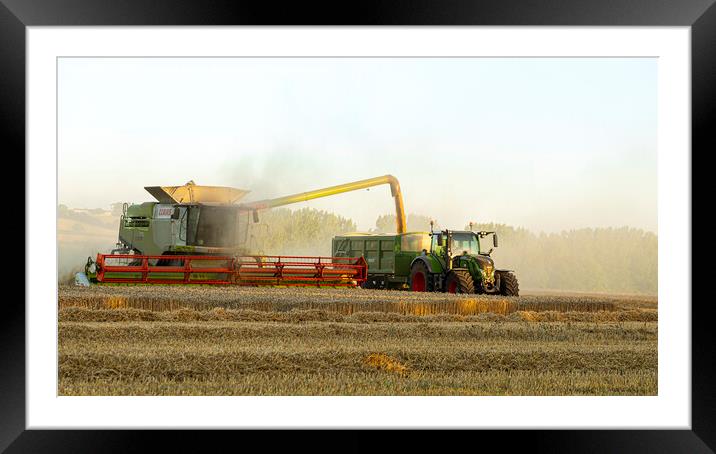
(197, 234)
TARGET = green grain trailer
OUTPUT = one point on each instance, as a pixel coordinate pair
(388, 255)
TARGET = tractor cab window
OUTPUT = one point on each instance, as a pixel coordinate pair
(462, 242)
(435, 246)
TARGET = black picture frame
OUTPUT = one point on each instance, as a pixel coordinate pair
(16, 15)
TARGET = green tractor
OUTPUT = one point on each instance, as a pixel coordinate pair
(457, 264)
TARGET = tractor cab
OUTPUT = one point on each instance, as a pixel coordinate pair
(459, 262)
(451, 243)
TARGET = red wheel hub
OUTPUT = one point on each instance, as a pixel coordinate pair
(418, 282)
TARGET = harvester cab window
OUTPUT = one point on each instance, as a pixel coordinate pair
(192, 225)
(180, 216)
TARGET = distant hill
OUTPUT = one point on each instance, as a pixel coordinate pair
(80, 234)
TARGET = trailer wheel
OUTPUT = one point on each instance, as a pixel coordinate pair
(368, 284)
(459, 281)
(420, 280)
(508, 284)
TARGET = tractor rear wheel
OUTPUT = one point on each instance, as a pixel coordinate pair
(459, 281)
(508, 284)
(420, 280)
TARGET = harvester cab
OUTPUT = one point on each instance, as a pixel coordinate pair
(188, 219)
(457, 263)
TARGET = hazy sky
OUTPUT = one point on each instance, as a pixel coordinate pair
(548, 144)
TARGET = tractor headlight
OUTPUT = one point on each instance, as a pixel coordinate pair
(489, 273)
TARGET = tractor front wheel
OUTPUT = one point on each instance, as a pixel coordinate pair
(459, 281)
(420, 280)
(508, 284)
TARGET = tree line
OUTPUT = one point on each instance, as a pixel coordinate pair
(306, 231)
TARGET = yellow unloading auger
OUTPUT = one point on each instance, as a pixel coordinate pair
(400, 225)
(209, 264)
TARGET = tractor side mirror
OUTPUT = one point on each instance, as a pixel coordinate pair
(494, 239)
(440, 239)
(256, 216)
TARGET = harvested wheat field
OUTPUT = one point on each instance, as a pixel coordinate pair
(200, 340)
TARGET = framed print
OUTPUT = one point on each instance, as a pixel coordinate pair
(442, 217)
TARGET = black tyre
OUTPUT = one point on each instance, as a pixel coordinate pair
(508, 284)
(368, 284)
(374, 282)
(459, 281)
(136, 262)
(420, 279)
(169, 262)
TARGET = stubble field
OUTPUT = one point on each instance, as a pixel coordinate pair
(163, 340)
